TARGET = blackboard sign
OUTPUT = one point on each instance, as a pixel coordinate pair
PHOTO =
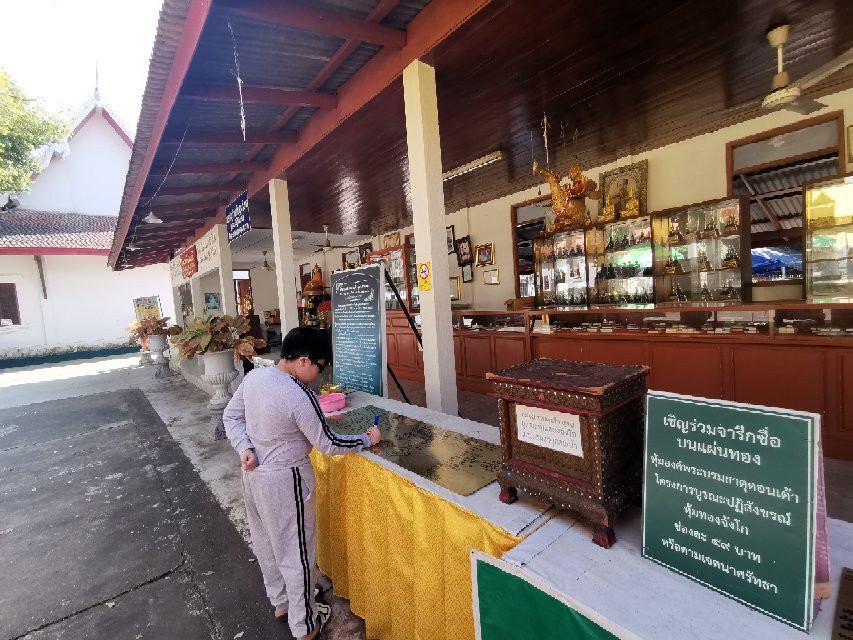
(358, 329)
(729, 495)
(237, 220)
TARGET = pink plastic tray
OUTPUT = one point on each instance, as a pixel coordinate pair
(332, 402)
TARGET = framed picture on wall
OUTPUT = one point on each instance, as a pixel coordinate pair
(464, 254)
(624, 191)
(451, 240)
(485, 254)
(391, 240)
(468, 273)
(304, 275)
(491, 276)
(363, 250)
(351, 259)
(455, 288)
(211, 302)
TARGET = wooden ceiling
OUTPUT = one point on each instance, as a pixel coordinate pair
(614, 78)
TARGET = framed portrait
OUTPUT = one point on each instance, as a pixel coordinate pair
(451, 240)
(455, 288)
(363, 250)
(211, 302)
(467, 273)
(351, 259)
(485, 254)
(391, 240)
(624, 191)
(464, 253)
(304, 274)
(491, 276)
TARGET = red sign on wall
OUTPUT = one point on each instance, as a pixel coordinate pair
(189, 262)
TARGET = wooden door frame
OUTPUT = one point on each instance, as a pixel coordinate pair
(513, 221)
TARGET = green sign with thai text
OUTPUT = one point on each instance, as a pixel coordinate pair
(729, 493)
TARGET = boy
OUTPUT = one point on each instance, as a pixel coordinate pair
(272, 421)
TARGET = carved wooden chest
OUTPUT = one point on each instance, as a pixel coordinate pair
(572, 432)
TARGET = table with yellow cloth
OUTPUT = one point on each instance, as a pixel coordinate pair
(397, 545)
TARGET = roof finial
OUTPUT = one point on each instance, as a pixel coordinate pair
(97, 89)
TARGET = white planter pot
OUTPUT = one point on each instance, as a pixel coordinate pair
(219, 371)
(157, 345)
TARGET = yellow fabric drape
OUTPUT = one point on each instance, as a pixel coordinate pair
(398, 553)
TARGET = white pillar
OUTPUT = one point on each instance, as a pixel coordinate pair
(226, 272)
(282, 239)
(430, 235)
(198, 296)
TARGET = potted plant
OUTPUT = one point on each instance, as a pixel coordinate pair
(324, 313)
(220, 342)
(150, 333)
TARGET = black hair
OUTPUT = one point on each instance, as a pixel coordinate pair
(307, 341)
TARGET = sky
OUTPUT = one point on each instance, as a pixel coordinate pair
(50, 48)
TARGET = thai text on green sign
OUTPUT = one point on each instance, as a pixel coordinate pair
(729, 496)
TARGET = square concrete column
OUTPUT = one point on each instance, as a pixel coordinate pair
(282, 239)
(198, 296)
(226, 272)
(430, 235)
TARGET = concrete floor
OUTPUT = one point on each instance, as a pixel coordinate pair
(120, 517)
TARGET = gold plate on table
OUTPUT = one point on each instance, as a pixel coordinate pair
(458, 463)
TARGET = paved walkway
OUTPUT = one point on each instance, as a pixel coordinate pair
(119, 516)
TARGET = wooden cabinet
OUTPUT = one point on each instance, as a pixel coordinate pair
(812, 374)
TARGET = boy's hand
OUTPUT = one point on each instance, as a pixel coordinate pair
(375, 435)
(248, 460)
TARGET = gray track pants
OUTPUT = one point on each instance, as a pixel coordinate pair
(280, 509)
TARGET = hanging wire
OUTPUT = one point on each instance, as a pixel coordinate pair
(236, 73)
(171, 164)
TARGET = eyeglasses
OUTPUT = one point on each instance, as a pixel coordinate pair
(319, 366)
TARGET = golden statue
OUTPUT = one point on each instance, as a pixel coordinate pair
(632, 205)
(608, 211)
(568, 203)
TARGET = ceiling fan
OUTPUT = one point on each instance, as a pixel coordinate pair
(327, 244)
(788, 95)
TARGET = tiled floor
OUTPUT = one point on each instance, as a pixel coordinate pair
(483, 408)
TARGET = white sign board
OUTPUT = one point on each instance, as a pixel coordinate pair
(550, 429)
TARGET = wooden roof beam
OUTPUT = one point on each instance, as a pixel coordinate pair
(432, 25)
(341, 55)
(225, 167)
(316, 21)
(235, 137)
(193, 189)
(259, 95)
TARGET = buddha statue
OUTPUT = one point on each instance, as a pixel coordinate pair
(608, 211)
(315, 284)
(632, 205)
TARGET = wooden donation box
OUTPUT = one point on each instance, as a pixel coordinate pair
(572, 432)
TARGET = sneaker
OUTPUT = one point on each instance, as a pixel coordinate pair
(324, 612)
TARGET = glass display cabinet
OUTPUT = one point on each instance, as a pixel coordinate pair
(829, 240)
(561, 270)
(702, 254)
(488, 321)
(695, 321)
(394, 260)
(619, 264)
